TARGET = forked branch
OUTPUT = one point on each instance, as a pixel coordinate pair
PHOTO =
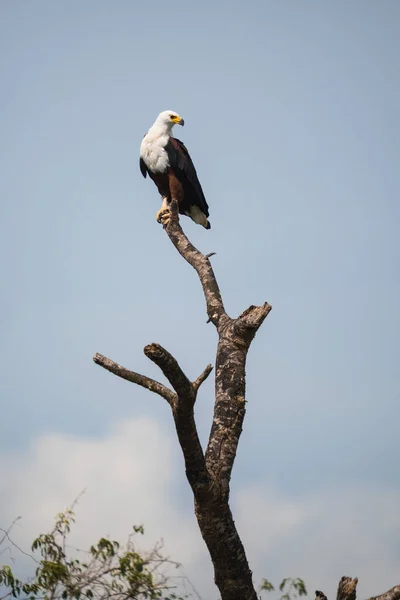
(181, 401)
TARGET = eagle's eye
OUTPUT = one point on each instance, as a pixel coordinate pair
(172, 116)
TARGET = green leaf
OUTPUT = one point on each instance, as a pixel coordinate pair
(283, 583)
(267, 586)
(138, 529)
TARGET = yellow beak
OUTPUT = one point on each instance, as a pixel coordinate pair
(178, 120)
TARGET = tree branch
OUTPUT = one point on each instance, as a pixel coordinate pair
(202, 377)
(181, 402)
(6, 535)
(172, 371)
(392, 594)
(253, 317)
(201, 263)
(142, 380)
(182, 410)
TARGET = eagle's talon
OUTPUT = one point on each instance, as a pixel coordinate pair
(163, 216)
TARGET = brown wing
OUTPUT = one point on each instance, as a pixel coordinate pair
(180, 161)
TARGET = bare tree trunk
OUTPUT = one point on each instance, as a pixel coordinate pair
(209, 473)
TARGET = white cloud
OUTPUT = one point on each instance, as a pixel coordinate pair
(329, 533)
(130, 478)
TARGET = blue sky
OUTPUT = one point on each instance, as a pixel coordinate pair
(291, 117)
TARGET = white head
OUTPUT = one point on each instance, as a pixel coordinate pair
(167, 119)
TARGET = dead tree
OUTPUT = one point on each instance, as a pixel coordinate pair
(209, 473)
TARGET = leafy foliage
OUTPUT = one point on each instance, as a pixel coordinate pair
(109, 570)
(292, 588)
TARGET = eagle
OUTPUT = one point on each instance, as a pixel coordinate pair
(169, 165)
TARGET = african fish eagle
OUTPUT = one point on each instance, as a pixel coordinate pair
(169, 165)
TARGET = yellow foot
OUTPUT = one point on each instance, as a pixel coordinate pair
(163, 216)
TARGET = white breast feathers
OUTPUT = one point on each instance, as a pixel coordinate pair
(152, 151)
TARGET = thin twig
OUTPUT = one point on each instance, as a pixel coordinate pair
(7, 531)
(202, 377)
(6, 536)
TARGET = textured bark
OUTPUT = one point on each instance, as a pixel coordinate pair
(347, 590)
(235, 337)
(392, 594)
(232, 574)
(209, 473)
(183, 413)
(201, 263)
